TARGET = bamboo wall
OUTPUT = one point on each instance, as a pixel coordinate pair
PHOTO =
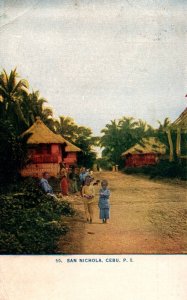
(36, 170)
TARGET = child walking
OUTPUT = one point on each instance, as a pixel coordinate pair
(88, 194)
(104, 203)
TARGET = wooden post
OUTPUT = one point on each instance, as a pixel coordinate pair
(170, 145)
(178, 143)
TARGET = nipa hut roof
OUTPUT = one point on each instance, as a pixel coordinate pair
(70, 147)
(181, 121)
(147, 145)
(41, 134)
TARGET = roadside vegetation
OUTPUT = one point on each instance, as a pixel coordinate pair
(18, 111)
(31, 222)
(120, 135)
(164, 169)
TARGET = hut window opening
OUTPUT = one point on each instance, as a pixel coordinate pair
(47, 149)
(38, 149)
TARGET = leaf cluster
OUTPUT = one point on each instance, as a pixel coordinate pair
(31, 222)
(80, 136)
(119, 135)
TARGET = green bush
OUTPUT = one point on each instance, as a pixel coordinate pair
(13, 153)
(164, 169)
(31, 222)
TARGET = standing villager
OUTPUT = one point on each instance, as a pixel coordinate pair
(104, 204)
(83, 174)
(77, 172)
(74, 178)
(64, 183)
(88, 194)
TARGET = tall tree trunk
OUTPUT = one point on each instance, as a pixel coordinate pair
(178, 145)
(171, 158)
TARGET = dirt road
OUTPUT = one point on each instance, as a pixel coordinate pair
(146, 217)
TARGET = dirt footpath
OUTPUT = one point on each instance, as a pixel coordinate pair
(146, 217)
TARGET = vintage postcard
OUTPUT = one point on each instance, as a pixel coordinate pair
(93, 149)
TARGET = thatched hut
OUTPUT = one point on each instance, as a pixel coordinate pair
(147, 152)
(47, 150)
(70, 157)
(180, 126)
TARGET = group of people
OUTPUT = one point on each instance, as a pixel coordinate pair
(82, 181)
(88, 194)
(72, 181)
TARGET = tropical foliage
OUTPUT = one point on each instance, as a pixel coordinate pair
(18, 106)
(80, 136)
(165, 135)
(119, 136)
(31, 222)
(18, 111)
(33, 105)
(11, 93)
(13, 152)
(164, 169)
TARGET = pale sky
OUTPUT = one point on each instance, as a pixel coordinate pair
(100, 60)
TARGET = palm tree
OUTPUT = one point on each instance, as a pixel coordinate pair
(68, 128)
(110, 131)
(128, 122)
(129, 134)
(166, 127)
(120, 136)
(111, 141)
(32, 106)
(11, 92)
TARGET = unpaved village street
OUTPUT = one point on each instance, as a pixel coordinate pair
(147, 216)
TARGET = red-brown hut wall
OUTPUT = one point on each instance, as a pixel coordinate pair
(45, 153)
(138, 160)
(57, 151)
(70, 159)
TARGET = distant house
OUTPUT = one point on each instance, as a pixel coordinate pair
(47, 150)
(147, 152)
(180, 126)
